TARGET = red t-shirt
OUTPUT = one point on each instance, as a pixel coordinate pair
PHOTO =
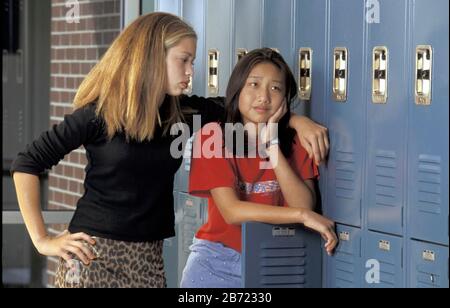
(251, 184)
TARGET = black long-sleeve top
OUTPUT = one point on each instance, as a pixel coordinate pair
(129, 185)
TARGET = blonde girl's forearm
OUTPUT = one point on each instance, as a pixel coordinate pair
(28, 196)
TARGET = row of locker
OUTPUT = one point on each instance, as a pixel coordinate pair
(387, 167)
(372, 259)
(290, 256)
(381, 88)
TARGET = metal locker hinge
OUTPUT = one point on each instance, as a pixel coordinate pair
(275, 49)
(340, 74)
(380, 60)
(240, 53)
(213, 72)
(424, 63)
(305, 73)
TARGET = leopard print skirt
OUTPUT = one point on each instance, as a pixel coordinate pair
(118, 265)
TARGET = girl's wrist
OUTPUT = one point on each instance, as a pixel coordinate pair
(272, 147)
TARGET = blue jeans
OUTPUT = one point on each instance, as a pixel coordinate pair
(212, 265)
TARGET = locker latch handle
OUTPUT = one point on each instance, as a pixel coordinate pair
(305, 73)
(240, 53)
(379, 74)
(340, 74)
(213, 72)
(424, 63)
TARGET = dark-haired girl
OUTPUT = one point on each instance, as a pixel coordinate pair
(239, 187)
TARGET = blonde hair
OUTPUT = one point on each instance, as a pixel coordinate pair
(129, 82)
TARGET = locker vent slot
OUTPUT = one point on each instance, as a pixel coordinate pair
(345, 269)
(386, 179)
(429, 184)
(387, 273)
(345, 175)
(283, 265)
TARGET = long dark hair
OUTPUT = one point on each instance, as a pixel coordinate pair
(237, 82)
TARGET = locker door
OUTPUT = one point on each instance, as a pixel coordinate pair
(170, 250)
(247, 27)
(182, 175)
(428, 266)
(387, 252)
(218, 46)
(343, 269)
(428, 129)
(278, 27)
(169, 6)
(280, 256)
(310, 32)
(386, 99)
(346, 112)
(188, 226)
(194, 13)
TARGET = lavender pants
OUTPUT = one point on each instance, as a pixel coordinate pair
(211, 265)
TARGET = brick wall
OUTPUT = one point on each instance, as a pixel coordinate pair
(75, 49)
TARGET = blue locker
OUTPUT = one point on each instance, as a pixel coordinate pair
(345, 112)
(193, 11)
(247, 27)
(280, 256)
(386, 99)
(310, 32)
(428, 265)
(343, 268)
(278, 27)
(383, 130)
(386, 252)
(189, 224)
(428, 129)
(218, 46)
(170, 6)
(170, 256)
(182, 175)
(170, 249)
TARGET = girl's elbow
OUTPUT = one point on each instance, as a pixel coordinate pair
(232, 219)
